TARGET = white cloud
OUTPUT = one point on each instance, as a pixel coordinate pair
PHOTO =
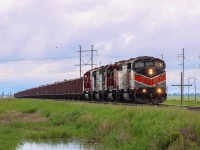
(7, 6)
(128, 38)
(118, 29)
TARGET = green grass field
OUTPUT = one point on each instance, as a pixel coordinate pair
(112, 126)
(175, 100)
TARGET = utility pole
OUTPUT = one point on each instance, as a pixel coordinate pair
(182, 85)
(91, 59)
(80, 60)
(188, 88)
(92, 56)
(183, 65)
(182, 88)
(195, 88)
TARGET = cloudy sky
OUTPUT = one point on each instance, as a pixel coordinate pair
(39, 39)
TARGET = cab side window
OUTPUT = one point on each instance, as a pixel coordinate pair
(119, 67)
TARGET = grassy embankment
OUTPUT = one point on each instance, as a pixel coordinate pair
(115, 127)
(175, 100)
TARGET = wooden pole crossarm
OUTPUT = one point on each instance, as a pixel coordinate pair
(181, 85)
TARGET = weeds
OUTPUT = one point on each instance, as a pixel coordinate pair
(74, 115)
(175, 100)
(29, 110)
(115, 127)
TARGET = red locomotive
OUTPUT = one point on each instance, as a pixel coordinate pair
(140, 80)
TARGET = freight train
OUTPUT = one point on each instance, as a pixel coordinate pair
(138, 80)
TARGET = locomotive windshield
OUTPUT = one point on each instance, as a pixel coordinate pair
(139, 64)
(149, 63)
(158, 64)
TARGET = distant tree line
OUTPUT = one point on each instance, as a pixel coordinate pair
(178, 94)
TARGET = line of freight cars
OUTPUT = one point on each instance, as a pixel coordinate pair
(67, 89)
(141, 80)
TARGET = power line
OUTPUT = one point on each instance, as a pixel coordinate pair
(37, 59)
(57, 58)
(191, 63)
(19, 73)
(47, 58)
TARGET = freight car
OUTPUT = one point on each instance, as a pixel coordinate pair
(140, 80)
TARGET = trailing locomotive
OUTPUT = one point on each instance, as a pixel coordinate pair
(139, 80)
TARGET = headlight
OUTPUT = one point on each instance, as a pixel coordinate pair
(144, 90)
(150, 71)
(159, 90)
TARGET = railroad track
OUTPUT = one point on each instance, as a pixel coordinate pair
(197, 108)
(194, 108)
